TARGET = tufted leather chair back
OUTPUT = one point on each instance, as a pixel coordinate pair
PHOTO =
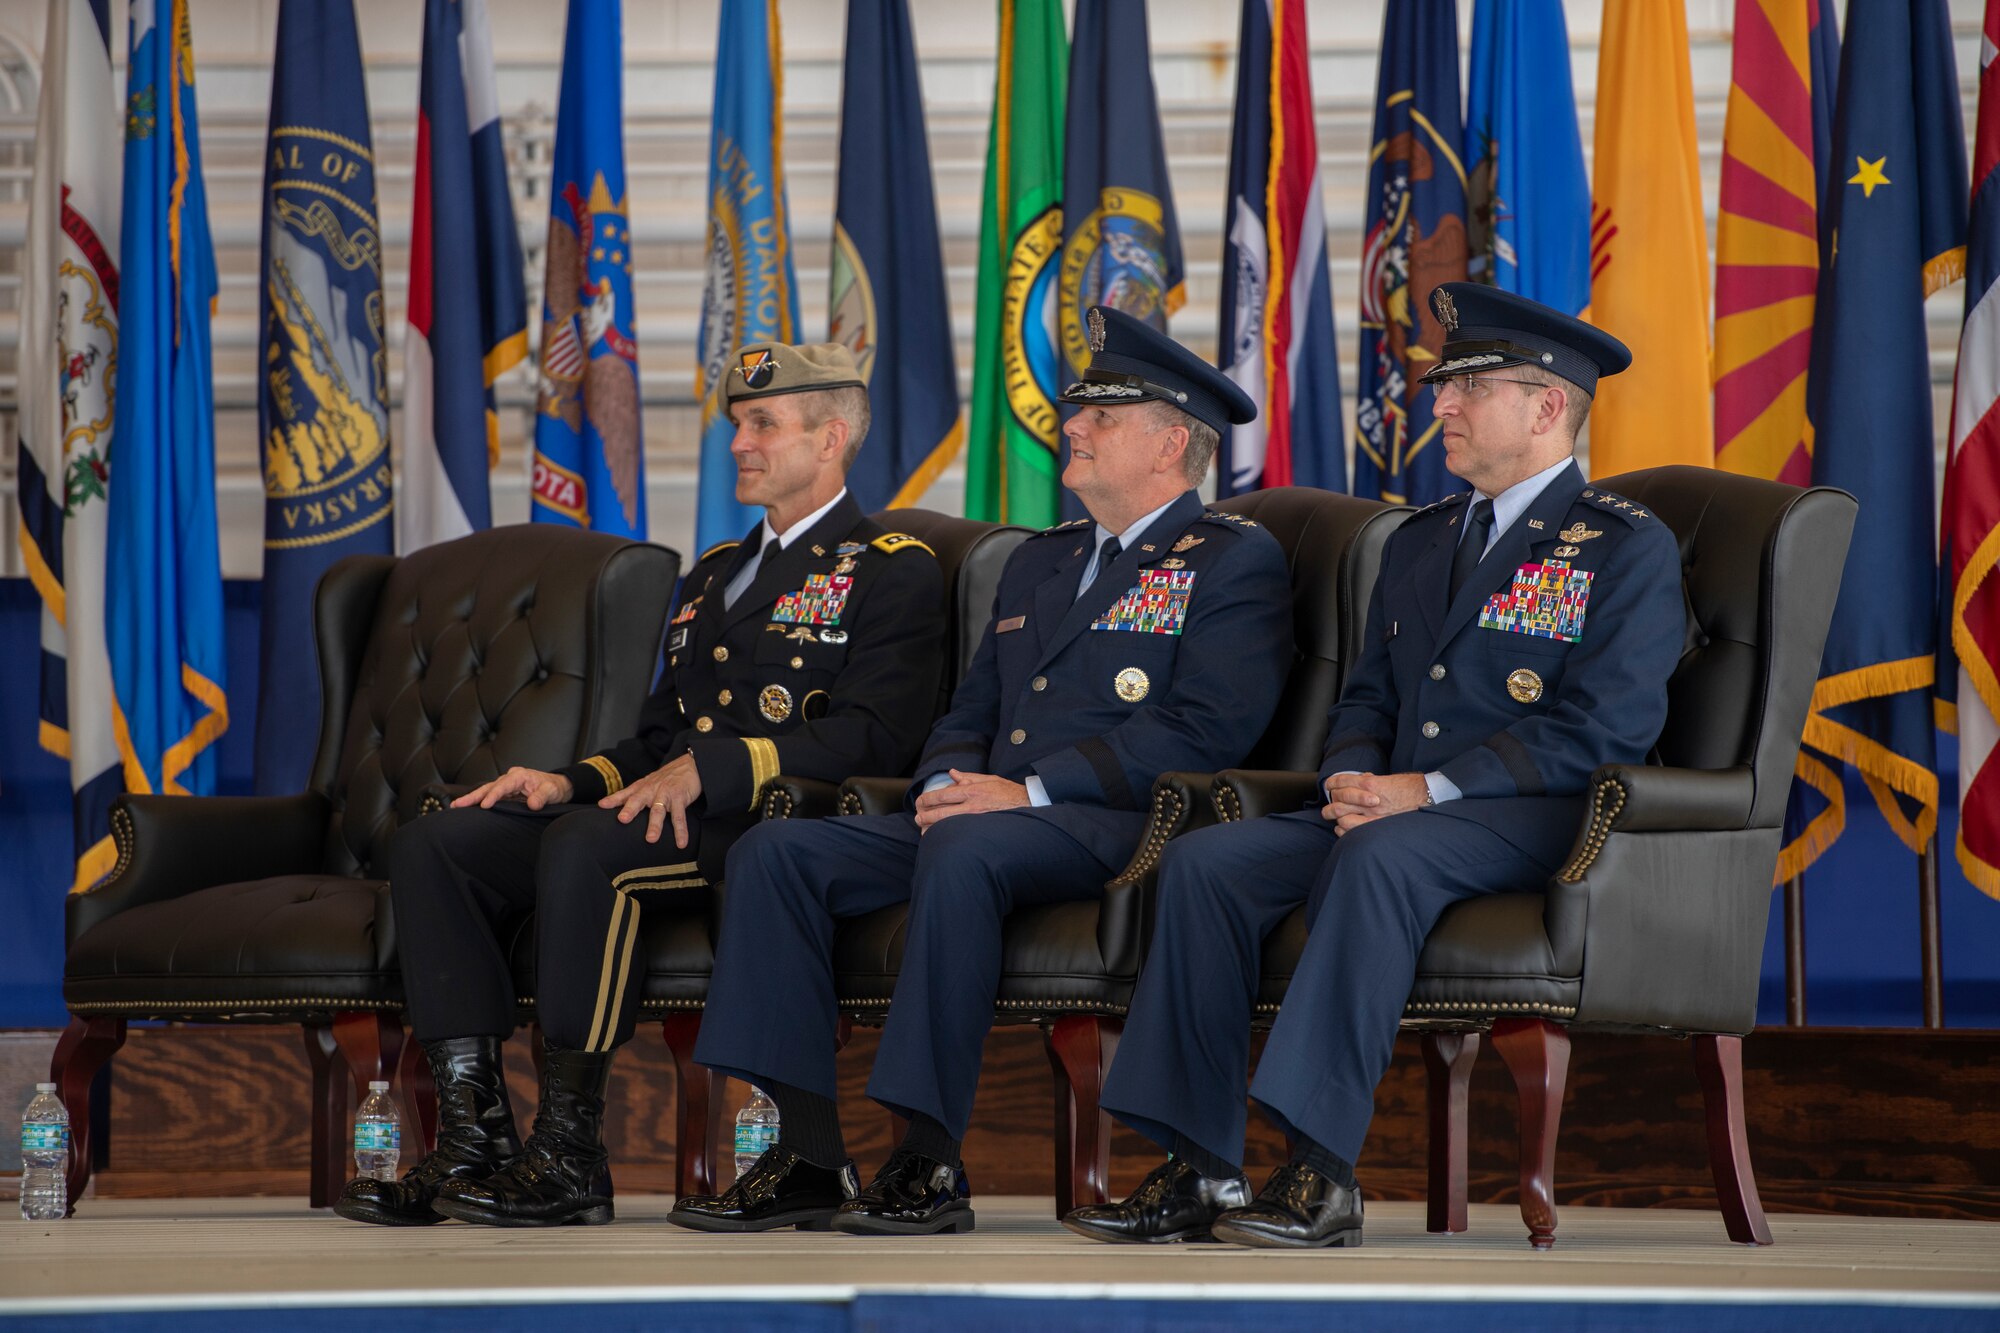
(972, 554)
(1749, 661)
(1334, 545)
(458, 661)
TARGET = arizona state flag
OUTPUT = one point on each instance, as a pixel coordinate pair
(1649, 246)
(752, 294)
(163, 604)
(1010, 464)
(323, 399)
(67, 368)
(590, 458)
(1415, 238)
(889, 304)
(1277, 304)
(1898, 227)
(468, 308)
(1971, 553)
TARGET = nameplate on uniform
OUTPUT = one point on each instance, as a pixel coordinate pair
(677, 640)
(1010, 624)
(820, 602)
(1157, 605)
(1544, 601)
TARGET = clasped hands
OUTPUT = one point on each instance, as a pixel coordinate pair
(664, 794)
(1354, 799)
(968, 794)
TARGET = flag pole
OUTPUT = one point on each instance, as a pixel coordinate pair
(1795, 951)
(1929, 934)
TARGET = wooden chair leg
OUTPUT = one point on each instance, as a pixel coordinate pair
(419, 1091)
(1080, 1048)
(329, 1115)
(1448, 1057)
(1537, 1055)
(85, 1047)
(370, 1042)
(1719, 1062)
(698, 1104)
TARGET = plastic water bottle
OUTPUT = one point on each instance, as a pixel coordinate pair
(44, 1157)
(378, 1135)
(756, 1128)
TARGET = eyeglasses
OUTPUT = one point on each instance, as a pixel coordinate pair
(1474, 386)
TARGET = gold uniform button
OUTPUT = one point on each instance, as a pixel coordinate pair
(703, 724)
(1018, 736)
(1038, 684)
(724, 698)
(1430, 731)
(721, 653)
(1437, 671)
(798, 662)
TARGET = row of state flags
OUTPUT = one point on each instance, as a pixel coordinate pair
(1812, 368)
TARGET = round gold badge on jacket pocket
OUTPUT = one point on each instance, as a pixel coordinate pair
(1131, 684)
(775, 703)
(1524, 685)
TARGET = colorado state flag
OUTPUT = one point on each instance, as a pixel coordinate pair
(163, 615)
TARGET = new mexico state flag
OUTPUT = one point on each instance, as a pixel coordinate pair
(1648, 246)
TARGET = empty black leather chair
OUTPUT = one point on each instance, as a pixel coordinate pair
(1656, 923)
(522, 645)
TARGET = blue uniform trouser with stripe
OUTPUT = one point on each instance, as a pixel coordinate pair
(1371, 898)
(772, 1008)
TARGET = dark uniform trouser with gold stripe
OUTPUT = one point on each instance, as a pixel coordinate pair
(463, 881)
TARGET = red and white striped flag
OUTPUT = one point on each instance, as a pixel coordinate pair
(1971, 519)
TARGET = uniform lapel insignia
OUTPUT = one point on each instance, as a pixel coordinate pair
(1536, 524)
(818, 549)
(1146, 546)
(1576, 532)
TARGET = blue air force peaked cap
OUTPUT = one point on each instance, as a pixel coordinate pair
(1131, 361)
(1487, 329)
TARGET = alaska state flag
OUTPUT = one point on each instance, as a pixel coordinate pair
(888, 304)
(468, 308)
(1414, 239)
(323, 399)
(1277, 305)
(163, 614)
(751, 294)
(1528, 200)
(590, 461)
(1898, 208)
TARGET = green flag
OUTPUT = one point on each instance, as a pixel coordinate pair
(1012, 462)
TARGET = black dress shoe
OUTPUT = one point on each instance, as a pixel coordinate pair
(562, 1176)
(1298, 1209)
(1176, 1202)
(475, 1138)
(913, 1195)
(781, 1189)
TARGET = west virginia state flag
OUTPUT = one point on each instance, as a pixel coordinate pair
(1011, 472)
(323, 397)
(1898, 234)
(1277, 304)
(67, 376)
(888, 302)
(1415, 238)
(752, 294)
(590, 461)
(1649, 246)
(163, 618)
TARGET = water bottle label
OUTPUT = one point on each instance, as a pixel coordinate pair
(44, 1138)
(385, 1136)
(751, 1140)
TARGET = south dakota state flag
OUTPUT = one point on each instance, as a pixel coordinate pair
(751, 294)
(590, 462)
(1898, 223)
(1277, 306)
(323, 399)
(163, 615)
(1414, 239)
(888, 301)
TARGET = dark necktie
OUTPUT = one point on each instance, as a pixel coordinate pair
(1104, 558)
(1478, 526)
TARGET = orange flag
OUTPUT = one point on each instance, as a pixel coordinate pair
(1649, 246)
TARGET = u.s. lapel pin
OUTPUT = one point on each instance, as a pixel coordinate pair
(1146, 546)
(1536, 524)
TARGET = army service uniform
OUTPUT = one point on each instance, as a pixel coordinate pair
(826, 664)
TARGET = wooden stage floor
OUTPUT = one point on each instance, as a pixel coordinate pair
(134, 1255)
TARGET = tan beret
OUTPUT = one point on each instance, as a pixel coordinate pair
(765, 370)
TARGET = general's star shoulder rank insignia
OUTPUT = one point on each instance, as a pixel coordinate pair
(1576, 532)
(1447, 309)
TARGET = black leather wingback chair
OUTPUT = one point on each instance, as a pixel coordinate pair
(521, 645)
(1069, 968)
(1656, 923)
(679, 945)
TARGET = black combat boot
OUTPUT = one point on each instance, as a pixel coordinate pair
(562, 1176)
(475, 1137)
